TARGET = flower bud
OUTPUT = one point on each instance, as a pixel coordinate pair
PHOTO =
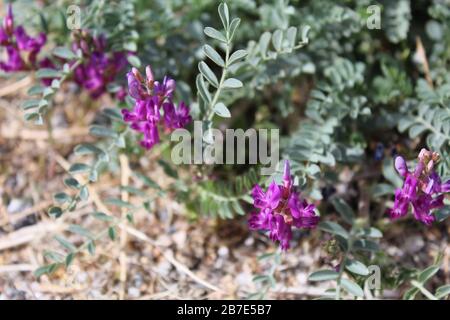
(149, 74)
(8, 22)
(137, 74)
(401, 166)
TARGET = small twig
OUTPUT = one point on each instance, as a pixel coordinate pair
(344, 262)
(61, 290)
(17, 268)
(36, 208)
(16, 86)
(124, 180)
(18, 132)
(305, 291)
(420, 51)
(27, 234)
(4, 217)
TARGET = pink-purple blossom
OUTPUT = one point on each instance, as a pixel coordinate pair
(21, 49)
(152, 97)
(280, 208)
(99, 68)
(422, 188)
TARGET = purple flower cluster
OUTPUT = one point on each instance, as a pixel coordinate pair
(280, 208)
(150, 97)
(422, 188)
(21, 49)
(98, 68)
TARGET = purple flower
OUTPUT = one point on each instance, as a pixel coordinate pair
(150, 96)
(175, 118)
(401, 166)
(121, 94)
(151, 135)
(281, 208)
(135, 88)
(260, 220)
(14, 62)
(165, 89)
(144, 118)
(280, 231)
(18, 45)
(4, 38)
(266, 200)
(99, 68)
(302, 212)
(27, 43)
(422, 188)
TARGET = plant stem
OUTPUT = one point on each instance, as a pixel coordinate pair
(343, 263)
(219, 88)
(424, 291)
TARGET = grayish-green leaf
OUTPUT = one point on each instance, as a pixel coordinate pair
(264, 41)
(118, 203)
(215, 34)
(277, 39)
(213, 55)
(64, 53)
(323, 275)
(442, 291)
(134, 61)
(74, 228)
(48, 73)
(202, 89)
(232, 83)
(233, 27)
(224, 15)
(55, 212)
(357, 267)
(334, 228)
(29, 104)
(291, 36)
(344, 210)
(221, 110)
(102, 216)
(101, 131)
(86, 148)
(91, 247)
(72, 183)
(65, 243)
(209, 75)
(61, 197)
(84, 193)
(112, 233)
(426, 274)
(352, 288)
(79, 168)
(236, 56)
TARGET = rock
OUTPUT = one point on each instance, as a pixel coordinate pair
(17, 205)
(134, 292)
(179, 238)
(249, 241)
(223, 252)
(163, 268)
(414, 244)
